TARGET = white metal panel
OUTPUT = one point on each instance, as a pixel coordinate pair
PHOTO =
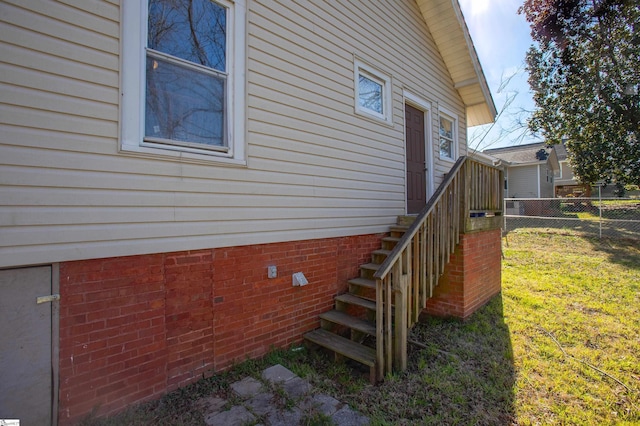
(26, 391)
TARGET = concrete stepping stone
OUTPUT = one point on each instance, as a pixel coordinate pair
(324, 404)
(348, 417)
(237, 416)
(278, 374)
(247, 387)
(262, 404)
(296, 388)
(210, 405)
(285, 417)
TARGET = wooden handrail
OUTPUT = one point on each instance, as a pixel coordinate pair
(392, 258)
(410, 272)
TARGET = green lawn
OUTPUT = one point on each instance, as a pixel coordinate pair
(572, 306)
(559, 346)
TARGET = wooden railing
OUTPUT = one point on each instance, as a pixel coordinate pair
(408, 276)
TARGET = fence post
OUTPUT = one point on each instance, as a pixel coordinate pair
(504, 216)
(600, 209)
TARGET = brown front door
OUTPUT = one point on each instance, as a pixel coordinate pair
(416, 160)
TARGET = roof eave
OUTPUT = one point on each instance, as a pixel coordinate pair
(449, 30)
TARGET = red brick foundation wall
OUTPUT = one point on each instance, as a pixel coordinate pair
(472, 277)
(133, 328)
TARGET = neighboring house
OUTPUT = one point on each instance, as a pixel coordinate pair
(529, 170)
(484, 158)
(153, 167)
(564, 182)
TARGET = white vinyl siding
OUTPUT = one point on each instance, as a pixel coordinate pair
(546, 181)
(523, 181)
(566, 175)
(566, 171)
(314, 169)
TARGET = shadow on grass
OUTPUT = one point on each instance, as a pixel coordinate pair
(627, 230)
(621, 245)
(464, 375)
(621, 214)
(625, 252)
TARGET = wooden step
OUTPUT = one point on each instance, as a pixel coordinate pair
(347, 320)
(363, 282)
(398, 231)
(361, 301)
(343, 346)
(357, 301)
(381, 252)
(370, 266)
(406, 220)
(378, 256)
(389, 242)
(368, 269)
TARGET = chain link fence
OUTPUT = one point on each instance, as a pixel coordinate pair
(601, 217)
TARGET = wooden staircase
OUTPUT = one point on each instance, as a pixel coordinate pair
(348, 328)
(370, 323)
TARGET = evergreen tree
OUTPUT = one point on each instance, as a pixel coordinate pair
(584, 71)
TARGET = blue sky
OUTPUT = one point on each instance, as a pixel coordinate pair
(501, 38)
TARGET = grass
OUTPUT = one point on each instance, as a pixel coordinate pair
(560, 345)
(572, 305)
(620, 201)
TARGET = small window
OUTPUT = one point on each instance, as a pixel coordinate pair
(447, 137)
(373, 93)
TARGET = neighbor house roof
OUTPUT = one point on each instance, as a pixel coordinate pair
(561, 151)
(449, 30)
(519, 154)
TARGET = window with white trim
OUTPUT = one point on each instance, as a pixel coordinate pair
(182, 83)
(448, 138)
(372, 92)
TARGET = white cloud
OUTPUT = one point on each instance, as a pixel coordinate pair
(475, 7)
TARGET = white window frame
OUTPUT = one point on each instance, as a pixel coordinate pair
(133, 42)
(560, 172)
(445, 113)
(360, 68)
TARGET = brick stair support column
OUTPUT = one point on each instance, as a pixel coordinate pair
(472, 277)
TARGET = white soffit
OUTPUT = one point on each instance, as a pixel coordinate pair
(449, 30)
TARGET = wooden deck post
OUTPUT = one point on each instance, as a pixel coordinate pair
(380, 329)
(400, 332)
